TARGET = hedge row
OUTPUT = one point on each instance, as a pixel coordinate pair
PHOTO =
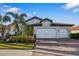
(21, 39)
(74, 36)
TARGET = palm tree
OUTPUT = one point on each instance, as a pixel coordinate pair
(18, 20)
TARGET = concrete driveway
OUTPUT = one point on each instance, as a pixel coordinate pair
(56, 47)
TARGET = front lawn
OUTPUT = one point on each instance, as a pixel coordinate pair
(17, 42)
(16, 46)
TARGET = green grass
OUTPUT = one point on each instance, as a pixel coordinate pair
(16, 46)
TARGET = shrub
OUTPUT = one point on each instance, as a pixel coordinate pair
(21, 39)
(28, 30)
(74, 36)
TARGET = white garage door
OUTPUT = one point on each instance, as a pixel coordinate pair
(46, 33)
(63, 33)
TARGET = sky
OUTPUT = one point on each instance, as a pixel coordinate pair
(58, 12)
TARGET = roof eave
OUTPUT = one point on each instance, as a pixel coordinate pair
(33, 18)
(62, 24)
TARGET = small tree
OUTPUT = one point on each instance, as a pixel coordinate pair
(27, 30)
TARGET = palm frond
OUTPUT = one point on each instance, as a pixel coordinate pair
(6, 19)
(22, 16)
(15, 15)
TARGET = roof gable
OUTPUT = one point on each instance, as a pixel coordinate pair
(47, 20)
(35, 17)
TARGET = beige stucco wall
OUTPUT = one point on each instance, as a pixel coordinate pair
(75, 31)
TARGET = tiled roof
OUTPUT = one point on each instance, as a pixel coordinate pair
(75, 28)
(61, 24)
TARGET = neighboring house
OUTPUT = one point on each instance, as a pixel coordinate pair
(75, 29)
(46, 28)
(4, 28)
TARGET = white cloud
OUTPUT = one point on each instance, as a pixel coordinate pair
(14, 9)
(7, 8)
(72, 6)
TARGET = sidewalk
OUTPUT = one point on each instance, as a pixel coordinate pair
(12, 52)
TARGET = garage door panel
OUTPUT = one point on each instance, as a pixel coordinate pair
(63, 33)
(46, 33)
